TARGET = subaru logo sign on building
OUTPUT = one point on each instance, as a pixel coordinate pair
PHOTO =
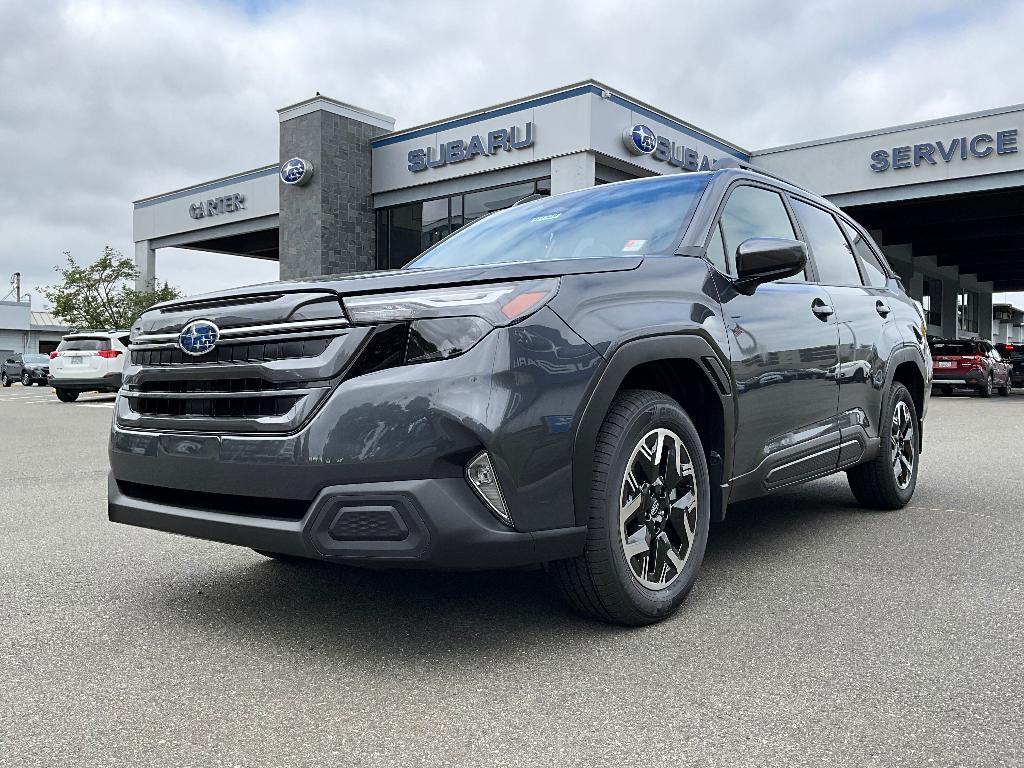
(642, 140)
(198, 337)
(296, 171)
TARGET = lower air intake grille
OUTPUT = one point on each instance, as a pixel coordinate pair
(227, 407)
(230, 504)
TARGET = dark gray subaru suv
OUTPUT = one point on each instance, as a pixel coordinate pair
(585, 381)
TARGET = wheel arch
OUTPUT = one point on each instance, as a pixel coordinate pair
(906, 366)
(687, 368)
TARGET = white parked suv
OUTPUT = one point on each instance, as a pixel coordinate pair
(88, 361)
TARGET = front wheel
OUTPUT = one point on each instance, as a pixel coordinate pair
(1007, 386)
(66, 396)
(888, 481)
(986, 389)
(650, 508)
(26, 380)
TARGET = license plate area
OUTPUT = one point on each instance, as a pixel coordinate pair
(945, 364)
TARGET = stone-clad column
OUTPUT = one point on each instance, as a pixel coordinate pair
(145, 260)
(327, 225)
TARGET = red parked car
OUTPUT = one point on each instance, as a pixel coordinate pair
(967, 363)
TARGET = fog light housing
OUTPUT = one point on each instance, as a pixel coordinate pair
(483, 480)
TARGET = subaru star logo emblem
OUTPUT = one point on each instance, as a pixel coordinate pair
(296, 171)
(198, 337)
(640, 140)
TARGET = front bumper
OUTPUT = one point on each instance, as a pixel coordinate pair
(417, 523)
(108, 383)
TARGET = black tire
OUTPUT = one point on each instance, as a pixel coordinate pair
(1007, 386)
(67, 395)
(874, 484)
(986, 389)
(5, 380)
(280, 556)
(26, 380)
(601, 583)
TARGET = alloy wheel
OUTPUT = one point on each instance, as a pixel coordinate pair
(902, 441)
(658, 509)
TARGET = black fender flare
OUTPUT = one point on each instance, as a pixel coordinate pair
(907, 353)
(712, 363)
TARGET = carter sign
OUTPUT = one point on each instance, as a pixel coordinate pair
(217, 205)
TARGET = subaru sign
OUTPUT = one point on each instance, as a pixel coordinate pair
(459, 151)
(198, 337)
(642, 140)
(296, 172)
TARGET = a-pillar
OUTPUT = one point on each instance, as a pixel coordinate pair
(145, 261)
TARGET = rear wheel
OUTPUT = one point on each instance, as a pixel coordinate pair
(66, 395)
(649, 514)
(888, 480)
(5, 380)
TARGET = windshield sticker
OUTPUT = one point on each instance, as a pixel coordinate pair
(546, 217)
(632, 246)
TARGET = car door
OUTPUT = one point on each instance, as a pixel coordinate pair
(868, 333)
(782, 345)
(998, 365)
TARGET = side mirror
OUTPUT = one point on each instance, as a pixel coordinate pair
(763, 259)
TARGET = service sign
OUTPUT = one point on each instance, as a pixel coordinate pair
(945, 151)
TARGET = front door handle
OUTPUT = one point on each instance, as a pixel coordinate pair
(882, 308)
(822, 310)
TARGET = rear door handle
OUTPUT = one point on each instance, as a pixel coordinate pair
(821, 309)
(882, 308)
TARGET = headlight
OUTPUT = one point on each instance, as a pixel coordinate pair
(136, 330)
(497, 303)
(439, 323)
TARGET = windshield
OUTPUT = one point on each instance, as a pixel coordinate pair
(36, 359)
(953, 348)
(83, 345)
(613, 220)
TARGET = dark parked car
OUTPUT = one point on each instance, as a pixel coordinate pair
(586, 381)
(28, 369)
(977, 365)
(1014, 355)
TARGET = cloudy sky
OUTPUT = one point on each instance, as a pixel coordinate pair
(102, 103)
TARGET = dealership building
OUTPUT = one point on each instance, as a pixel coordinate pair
(347, 192)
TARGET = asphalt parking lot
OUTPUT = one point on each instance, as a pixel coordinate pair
(818, 633)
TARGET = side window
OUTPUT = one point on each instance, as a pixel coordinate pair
(716, 252)
(832, 255)
(754, 212)
(872, 269)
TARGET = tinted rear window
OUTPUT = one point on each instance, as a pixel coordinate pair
(84, 345)
(954, 348)
(615, 220)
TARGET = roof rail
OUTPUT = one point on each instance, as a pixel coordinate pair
(732, 162)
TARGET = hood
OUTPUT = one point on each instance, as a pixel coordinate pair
(279, 302)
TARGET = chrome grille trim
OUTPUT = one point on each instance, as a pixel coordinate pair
(252, 330)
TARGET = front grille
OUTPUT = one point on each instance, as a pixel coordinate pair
(200, 386)
(221, 407)
(244, 352)
(230, 504)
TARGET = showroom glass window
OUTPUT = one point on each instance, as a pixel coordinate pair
(405, 231)
(931, 300)
(833, 257)
(967, 311)
(754, 212)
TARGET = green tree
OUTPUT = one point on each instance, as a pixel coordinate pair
(102, 294)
